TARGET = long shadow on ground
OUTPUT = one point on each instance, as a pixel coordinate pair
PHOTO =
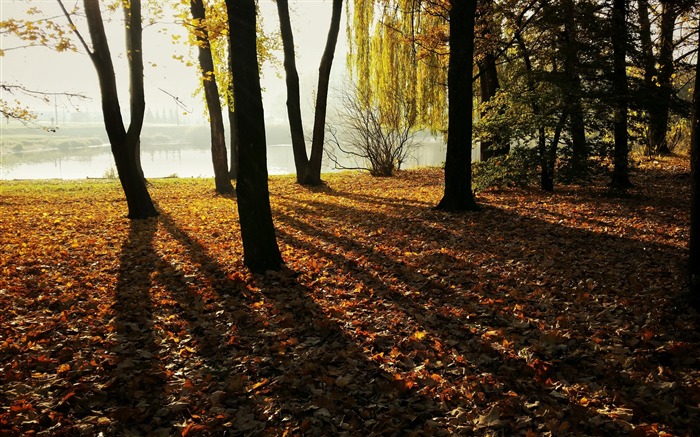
(261, 358)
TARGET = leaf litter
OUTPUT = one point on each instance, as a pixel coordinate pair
(544, 314)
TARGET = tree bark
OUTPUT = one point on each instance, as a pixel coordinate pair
(620, 176)
(458, 194)
(260, 250)
(489, 86)
(313, 172)
(301, 159)
(233, 126)
(649, 67)
(547, 164)
(211, 94)
(488, 78)
(549, 156)
(233, 169)
(661, 103)
(694, 243)
(577, 128)
(124, 143)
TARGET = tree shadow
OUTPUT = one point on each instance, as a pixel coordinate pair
(135, 392)
(553, 366)
(239, 354)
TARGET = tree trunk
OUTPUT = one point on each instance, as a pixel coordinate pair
(301, 159)
(579, 152)
(549, 156)
(547, 164)
(649, 67)
(233, 169)
(694, 244)
(489, 86)
(660, 105)
(211, 94)
(233, 126)
(313, 173)
(260, 250)
(620, 176)
(458, 194)
(124, 144)
(488, 79)
(546, 174)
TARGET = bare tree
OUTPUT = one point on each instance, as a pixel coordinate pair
(378, 137)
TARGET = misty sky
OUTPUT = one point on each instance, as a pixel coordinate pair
(42, 69)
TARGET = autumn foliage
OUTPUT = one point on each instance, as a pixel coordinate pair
(543, 314)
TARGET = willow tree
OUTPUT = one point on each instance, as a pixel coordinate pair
(260, 250)
(406, 43)
(124, 143)
(308, 168)
(401, 44)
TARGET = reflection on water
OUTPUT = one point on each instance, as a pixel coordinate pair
(180, 160)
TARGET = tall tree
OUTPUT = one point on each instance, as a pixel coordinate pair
(694, 245)
(211, 94)
(124, 143)
(620, 176)
(488, 77)
(260, 250)
(660, 43)
(301, 158)
(458, 195)
(402, 44)
(577, 129)
(308, 168)
(662, 90)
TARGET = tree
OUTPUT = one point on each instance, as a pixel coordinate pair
(402, 43)
(488, 77)
(308, 168)
(579, 149)
(660, 53)
(378, 138)
(260, 250)
(620, 176)
(694, 244)
(214, 20)
(125, 143)
(661, 88)
(211, 93)
(458, 194)
(19, 112)
(301, 159)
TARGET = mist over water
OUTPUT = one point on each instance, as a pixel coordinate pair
(82, 151)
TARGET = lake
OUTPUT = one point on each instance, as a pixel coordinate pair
(164, 160)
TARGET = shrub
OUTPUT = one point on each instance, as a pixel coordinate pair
(518, 168)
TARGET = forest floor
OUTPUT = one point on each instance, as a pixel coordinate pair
(542, 314)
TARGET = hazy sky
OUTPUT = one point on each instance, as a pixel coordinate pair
(42, 69)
